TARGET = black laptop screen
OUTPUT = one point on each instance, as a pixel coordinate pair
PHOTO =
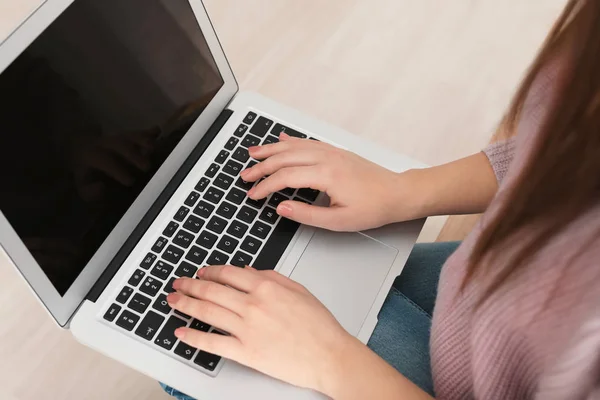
(88, 113)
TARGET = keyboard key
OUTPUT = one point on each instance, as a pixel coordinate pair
(241, 154)
(160, 244)
(169, 286)
(250, 118)
(230, 145)
(139, 303)
(148, 260)
(181, 213)
(269, 215)
(212, 170)
(312, 138)
(256, 203)
(162, 270)
(216, 224)
(227, 244)
(247, 214)
(235, 196)
(206, 240)
(136, 278)
(301, 200)
(270, 139)
(170, 229)
(276, 245)
(217, 258)
(232, 168)
(204, 209)
(173, 254)
(260, 230)
(193, 224)
(149, 325)
(222, 157)
(207, 360)
(214, 195)
(226, 210)
(308, 194)
(161, 304)
(252, 164)
(239, 132)
(288, 191)
(184, 315)
(127, 320)
(251, 245)
(196, 255)
(237, 229)
(278, 128)
(241, 259)
(200, 326)
(151, 286)
(202, 185)
(250, 140)
(184, 350)
(243, 184)
(124, 294)
(183, 239)
(166, 339)
(261, 126)
(112, 312)
(276, 198)
(223, 181)
(186, 269)
(192, 199)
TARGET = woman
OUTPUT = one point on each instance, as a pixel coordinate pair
(517, 313)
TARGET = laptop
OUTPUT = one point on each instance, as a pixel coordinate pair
(122, 136)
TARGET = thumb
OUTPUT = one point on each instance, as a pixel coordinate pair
(331, 218)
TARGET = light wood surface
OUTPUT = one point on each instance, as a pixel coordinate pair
(427, 78)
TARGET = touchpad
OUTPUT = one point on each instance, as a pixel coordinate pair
(345, 271)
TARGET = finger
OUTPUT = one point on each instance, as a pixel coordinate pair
(206, 311)
(269, 150)
(216, 293)
(221, 345)
(294, 177)
(238, 278)
(283, 280)
(332, 218)
(279, 161)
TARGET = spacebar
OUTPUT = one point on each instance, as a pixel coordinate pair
(276, 245)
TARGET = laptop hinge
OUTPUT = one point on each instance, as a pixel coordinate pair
(156, 208)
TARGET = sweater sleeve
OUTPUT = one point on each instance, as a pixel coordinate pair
(500, 155)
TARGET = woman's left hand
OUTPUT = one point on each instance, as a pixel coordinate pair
(277, 327)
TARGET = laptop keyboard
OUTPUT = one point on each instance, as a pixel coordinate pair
(216, 224)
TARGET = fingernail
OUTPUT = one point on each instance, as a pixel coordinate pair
(173, 298)
(284, 209)
(177, 284)
(180, 333)
(251, 192)
(244, 172)
(249, 267)
(253, 148)
(200, 272)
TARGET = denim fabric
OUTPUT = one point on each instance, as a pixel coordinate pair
(402, 333)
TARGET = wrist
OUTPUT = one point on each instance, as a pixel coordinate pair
(409, 196)
(338, 366)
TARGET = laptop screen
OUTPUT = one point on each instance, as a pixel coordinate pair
(88, 113)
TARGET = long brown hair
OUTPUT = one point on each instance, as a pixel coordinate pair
(561, 179)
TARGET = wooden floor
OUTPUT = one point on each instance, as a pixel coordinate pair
(427, 78)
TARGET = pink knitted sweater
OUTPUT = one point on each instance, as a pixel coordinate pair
(538, 337)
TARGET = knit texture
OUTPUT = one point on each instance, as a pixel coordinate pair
(538, 336)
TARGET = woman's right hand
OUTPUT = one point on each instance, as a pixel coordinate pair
(363, 195)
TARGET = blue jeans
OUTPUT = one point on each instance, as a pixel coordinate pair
(402, 334)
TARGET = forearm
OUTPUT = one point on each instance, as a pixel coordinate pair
(465, 186)
(360, 374)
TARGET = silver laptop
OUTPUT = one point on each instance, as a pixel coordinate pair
(122, 134)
